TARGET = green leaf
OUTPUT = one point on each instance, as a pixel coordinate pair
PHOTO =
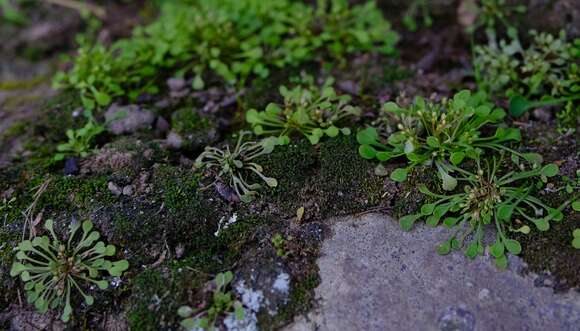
(501, 262)
(252, 116)
(576, 243)
(513, 246)
(457, 157)
(406, 222)
(550, 170)
(367, 152)
(427, 209)
(449, 183)
(519, 105)
(450, 221)
(332, 131)
(184, 311)
(399, 175)
(542, 224)
(504, 212)
(367, 136)
(101, 98)
(576, 205)
(444, 248)
(472, 249)
(432, 142)
(497, 249)
(197, 83)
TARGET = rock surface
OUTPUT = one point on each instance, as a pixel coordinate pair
(376, 277)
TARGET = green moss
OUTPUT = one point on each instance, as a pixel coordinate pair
(186, 120)
(65, 193)
(156, 296)
(347, 181)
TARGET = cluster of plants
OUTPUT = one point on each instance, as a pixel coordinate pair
(453, 136)
(232, 40)
(222, 303)
(545, 73)
(52, 269)
(308, 109)
(442, 134)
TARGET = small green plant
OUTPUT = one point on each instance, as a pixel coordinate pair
(222, 303)
(233, 167)
(417, 8)
(225, 40)
(442, 134)
(576, 236)
(279, 243)
(308, 109)
(493, 13)
(488, 198)
(51, 269)
(79, 141)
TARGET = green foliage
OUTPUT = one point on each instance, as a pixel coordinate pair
(503, 201)
(230, 39)
(308, 109)
(443, 134)
(10, 12)
(417, 8)
(51, 269)
(79, 141)
(576, 235)
(222, 303)
(279, 243)
(546, 73)
(234, 166)
(493, 13)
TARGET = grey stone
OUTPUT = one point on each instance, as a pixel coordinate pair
(374, 276)
(115, 190)
(128, 190)
(128, 119)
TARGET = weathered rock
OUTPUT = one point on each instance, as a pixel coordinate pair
(376, 277)
(128, 119)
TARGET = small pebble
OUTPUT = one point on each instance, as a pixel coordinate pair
(128, 190)
(114, 189)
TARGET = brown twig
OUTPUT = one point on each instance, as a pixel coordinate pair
(98, 11)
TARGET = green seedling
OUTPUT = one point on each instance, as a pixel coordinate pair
(79, 141)
(279, 243)
(488, 198)
(222, 303)
(51, 269)
(441, 134)
(233, 167)
(310, 110)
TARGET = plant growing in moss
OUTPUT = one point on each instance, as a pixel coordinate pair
(279, 243)
(79, 141)
(442, 134)
(231, 40)
(234, 166)
(308, 109)
(222, 303)
(503, 201)
(51, 269)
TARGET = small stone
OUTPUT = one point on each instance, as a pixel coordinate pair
(128, 119)
(456, 319)
(161, 126)
(176, 84)
(114, 189)
(128, 190)
(174, 140)
(484, 294)
(71, 166)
